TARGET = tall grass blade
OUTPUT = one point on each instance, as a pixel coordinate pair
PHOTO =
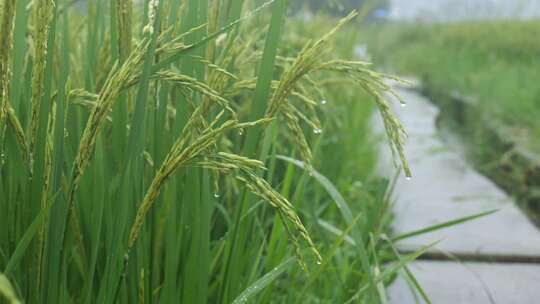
(411, 276)
(7, 291)
(442, 226)
(342, 205)
(264, 281)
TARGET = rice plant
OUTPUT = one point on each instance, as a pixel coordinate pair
(140, 156)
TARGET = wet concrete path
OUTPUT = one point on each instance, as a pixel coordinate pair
(499, 252)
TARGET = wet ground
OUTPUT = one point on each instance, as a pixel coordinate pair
(445, 187)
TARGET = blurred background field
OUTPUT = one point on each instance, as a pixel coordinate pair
(482, 70)
(494, 62)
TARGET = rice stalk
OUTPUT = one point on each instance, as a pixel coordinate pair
(124, 14)
(140, 293)
(178, 49)
(117, 80)
(6, 33)
(310, 61)
(117, 196)
(213, 20)
(183, 155)
(14, 122)
(185, 82)
(293, 125)
(7, 113)
(45, 197)
(82, 97)
(152, 7)
(262, 189)
(227, 163)
(110, 92)
(374, 84)
(178, 156)
(43, 11)
(303, 64)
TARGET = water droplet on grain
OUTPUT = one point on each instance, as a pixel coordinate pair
(403, 105)
(319, 262)
(323, 102)
(317, 131)
(408, 178)
(240, 132)
(216, 195)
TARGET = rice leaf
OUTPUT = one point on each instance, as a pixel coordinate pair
(263, 282)
(7, 291)
(442, 225)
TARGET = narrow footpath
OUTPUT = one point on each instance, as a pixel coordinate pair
(494, 259)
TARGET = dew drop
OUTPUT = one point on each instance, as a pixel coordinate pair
(408, 178)
(240, 132)
(403, 105)
(317, 131)
(319, 262)
(216, 195)
(323, 102)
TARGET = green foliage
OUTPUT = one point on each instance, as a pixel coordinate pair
(139, 156)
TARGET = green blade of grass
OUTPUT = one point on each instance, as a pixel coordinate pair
(442, 226)
(327, 185)
(261, 283)
(410, 275)
(24, 242)
(7, 291)
(265, 75)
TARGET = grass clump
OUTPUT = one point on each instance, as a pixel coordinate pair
(147, 169)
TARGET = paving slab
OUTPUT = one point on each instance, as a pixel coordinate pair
(445, 187)
(470, 283)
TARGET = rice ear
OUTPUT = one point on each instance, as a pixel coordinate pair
(43, 15)
(6, 33)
